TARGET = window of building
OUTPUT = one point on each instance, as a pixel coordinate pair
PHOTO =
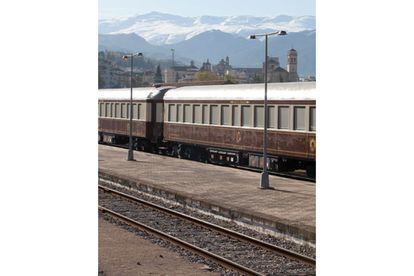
(235, 118)
(172, 113)
(258, 116)
(198, 115)
(299, 117)
(205, 114)
(272, 117)
(179, 113)
(214, 115)
(225, 115)
(283, 117)
(187, 113)
(246, 112)
(312, 119)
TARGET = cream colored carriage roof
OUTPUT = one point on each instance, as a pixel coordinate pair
(275, 91)
(140, 93)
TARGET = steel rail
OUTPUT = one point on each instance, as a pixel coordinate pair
(197, 250)
(241, 237)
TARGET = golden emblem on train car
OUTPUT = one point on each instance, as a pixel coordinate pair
(312, 144)
(238, 136)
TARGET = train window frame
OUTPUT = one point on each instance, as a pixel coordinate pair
(135, 111)
(256, 119)
(272, 117)
(197, 114)
(172, 113)
(217, 113)
(225, 119)
(179, 112)
(250, 116)
(312, 118)
(235, 115)
(295, 118)
(122, 111)
(205, 109)
(141, 112)
(279, 117)
(185, 119)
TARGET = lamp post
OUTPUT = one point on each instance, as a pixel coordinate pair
(130, 149)
(264, 180)
(172, 52)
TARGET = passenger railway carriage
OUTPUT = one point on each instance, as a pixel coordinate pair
(219, 123)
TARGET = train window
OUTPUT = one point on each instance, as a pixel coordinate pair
(205, 114)
(101, 110)
(214, 115)
(108, 110)
(141, 113)
(312, 119)
(283, 117)
(235, 118)
(123, 111)
(198, 116)
(246, 112)
(225, 115)
(112, 110)
(187, 113)
(272, 117)
(116, 112)
(134, 111)
(171, 113)
(179, 113)
(299, 117)
(128, 111)
(258, 116)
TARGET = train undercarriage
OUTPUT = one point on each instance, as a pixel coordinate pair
(213, 155)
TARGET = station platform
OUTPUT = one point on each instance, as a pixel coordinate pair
(288, 208)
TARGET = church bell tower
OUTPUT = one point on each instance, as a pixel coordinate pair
(292, 65)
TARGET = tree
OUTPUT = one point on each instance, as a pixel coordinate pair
(158, 75)
(205, 76)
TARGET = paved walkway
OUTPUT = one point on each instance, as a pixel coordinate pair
(124, 253)
(291, 202)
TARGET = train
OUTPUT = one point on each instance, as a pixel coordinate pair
(219, 124)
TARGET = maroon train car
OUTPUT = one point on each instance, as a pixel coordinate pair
(224, 124)
(147, 119)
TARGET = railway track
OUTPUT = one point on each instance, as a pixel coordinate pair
(244, 254)
(281, 174)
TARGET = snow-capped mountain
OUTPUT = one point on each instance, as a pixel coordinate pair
(161, 28)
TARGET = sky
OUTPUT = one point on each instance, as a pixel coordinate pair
(121, 8)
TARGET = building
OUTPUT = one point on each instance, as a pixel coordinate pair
(180, 73)
(275, 73)
(223, 67)
(206, 67)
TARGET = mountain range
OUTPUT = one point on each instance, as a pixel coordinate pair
(213, 37)
(161, 28)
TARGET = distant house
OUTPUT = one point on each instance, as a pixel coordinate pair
(179, 73)
(275, 73)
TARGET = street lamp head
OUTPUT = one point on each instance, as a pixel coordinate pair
(252, 36)
(282, 33)
(140, 55)
(125, 57)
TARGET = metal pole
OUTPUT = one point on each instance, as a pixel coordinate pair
(173, 51)
(264, 181)
(130, 150)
